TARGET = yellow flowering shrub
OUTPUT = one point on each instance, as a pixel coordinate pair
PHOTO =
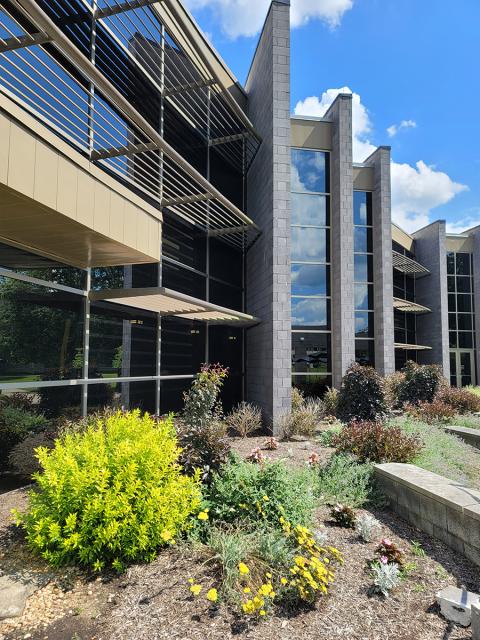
(110, 495)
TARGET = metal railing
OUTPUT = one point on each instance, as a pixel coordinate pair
(102, 77)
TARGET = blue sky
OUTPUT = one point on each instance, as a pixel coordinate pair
(410, 61)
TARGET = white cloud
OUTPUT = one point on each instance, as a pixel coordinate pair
(459, 226)
(245, 17)
(393, 129)
(416, 190)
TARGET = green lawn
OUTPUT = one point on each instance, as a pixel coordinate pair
(17, 379)
(444, 453)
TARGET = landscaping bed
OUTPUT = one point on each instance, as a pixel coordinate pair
(153, 600)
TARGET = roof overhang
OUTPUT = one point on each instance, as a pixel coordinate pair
(409, 307)
(409, 267)
(167, 302)
(411, 347)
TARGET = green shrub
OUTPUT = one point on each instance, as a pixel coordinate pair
(330, 400)
(361, 396)
(343, 479)
(110, 495)
(392, 385)
(23, 459)
(202, 404)
(461, 400)
(245, 419)
(260, 494)
(204, 447)
(304, 420)
(298, 398)
(15, 425)
(421, 383)
(431, 412)
(375, 442)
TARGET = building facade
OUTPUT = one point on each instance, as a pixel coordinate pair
(156, 215)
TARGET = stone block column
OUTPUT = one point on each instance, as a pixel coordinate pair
(382, 261)
(431, 291)
(341, 222)
(269, 347)
(475, 234)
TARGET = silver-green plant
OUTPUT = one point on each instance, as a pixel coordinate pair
(366, 526)
(386, 577)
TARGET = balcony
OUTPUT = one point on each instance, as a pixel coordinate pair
(92, 88)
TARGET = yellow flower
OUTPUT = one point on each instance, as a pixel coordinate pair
(247, 590)
(283, 580)
(166, 535)
(212, 595)
(265, 498)
(195, 589)
(244, 570)
(203, 515)
(190, 580)
(262, 612)
(269, 575)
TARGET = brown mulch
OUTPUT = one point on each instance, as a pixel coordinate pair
(152, 602)
(293, 453)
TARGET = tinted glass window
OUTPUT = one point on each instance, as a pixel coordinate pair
(365, 352)
(364, 324)
(310, 209)
(183, 346)
(363, 297)
(309, 244)
(184, 243)
(312, 386)
(463, 264)
(363, 268)
(40, 332)
(311, 353)
(310, 280)
(226, 296)
(310, 312)
(183, 280)
(309, 171)
(362, 208)
(226, 262)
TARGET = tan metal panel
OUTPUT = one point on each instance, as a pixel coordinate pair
(142, 234)
(67, 188)
(85, 199)
(101, 220)
(4, 148)
(363, 178)
(311, 134)
(154, 237)
(402, 237)
(21, 164)
(46, 175)
(117, 217)
(131, 215)
(462, 243)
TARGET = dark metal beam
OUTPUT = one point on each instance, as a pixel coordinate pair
(129, 150)
(233, 138)
(20, 42)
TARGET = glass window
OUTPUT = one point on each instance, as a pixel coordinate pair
(452, 305)
(452, 339)
(364, 324)
(35, 266)
(171, 395)
(311, 353)
(465, 321)
(312, 386)
(225, 295)
(362, 208)
(183, 346)
(226, 347)
(464, 303)
(122, 341)
(226, 262)
(41, 332)
(310, 280)
(183, 280)
(463, 284)
(451, 263)
(362, 240)
(310, 209)
(463, 264)
(363, 297)
(452, 321)
(451, 284)
(310, 312)
(309, 244)
(365, 352)
(363, 268)
(184, 243)
(309, 171)
(465, 340)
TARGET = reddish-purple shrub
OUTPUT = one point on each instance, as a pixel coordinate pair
(461, 400)
(389, 552)
(376, 442)
(431, 412)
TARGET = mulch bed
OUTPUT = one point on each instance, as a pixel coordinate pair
(153, 602)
